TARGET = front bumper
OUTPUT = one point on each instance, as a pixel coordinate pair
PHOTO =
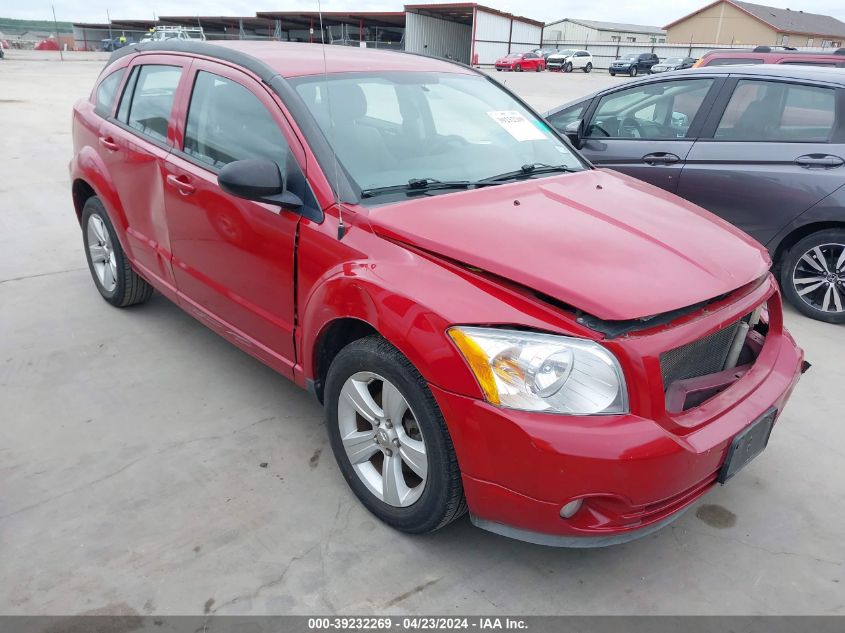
(634, 473)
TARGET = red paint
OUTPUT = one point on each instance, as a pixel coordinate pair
(603, 243)
(520, 62)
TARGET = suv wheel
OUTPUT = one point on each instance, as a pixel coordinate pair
(390, 439)
(813, 275)
(568, 67)
(588, 67)
(115, 280)
(633, 72)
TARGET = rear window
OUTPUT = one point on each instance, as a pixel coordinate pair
(733, 61)
(778, 112)
(106, 93)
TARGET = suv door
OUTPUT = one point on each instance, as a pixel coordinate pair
(134, 143)
(769, 151)
(234, 258)
(647, 130)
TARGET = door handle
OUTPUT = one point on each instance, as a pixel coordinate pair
(181, 184)
(109, 144)
(819, 160)
(661, 158)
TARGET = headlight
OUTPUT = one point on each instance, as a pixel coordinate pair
(543, 372)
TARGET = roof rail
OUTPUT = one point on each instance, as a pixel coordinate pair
(768, 49)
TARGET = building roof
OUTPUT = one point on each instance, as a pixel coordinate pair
(613, 26)
(463, 12)
(782, 20)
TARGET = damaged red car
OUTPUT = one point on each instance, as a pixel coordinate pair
(493, 325)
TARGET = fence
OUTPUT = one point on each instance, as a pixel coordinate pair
(605, 52)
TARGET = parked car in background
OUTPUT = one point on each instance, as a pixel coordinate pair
(519, 62)
(771, 55)
(491, 323)
(633, 64)
(545, 52)
(761, 146)
(673, 63)
(568, 60)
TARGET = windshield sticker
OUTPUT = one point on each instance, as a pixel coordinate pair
(517, 125)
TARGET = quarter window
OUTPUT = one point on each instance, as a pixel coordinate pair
(778, 112)
(106, 92)
(662, 110)
(151, 100)
(227, 122)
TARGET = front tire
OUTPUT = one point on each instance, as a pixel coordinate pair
(568, 67)
(588, 67)
(612, 74)
(633, 72)
(812, 275)
(518, 68)
(389, 438)
(113, 276)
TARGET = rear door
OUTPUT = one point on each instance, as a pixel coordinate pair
(647, 130)
(770, 150)
(136, 141)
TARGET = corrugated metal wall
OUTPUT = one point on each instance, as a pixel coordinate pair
(433, 36)
(495, 36)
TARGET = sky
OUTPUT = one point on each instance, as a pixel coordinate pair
(650, 12)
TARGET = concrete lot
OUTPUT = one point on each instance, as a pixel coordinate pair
(131, 444)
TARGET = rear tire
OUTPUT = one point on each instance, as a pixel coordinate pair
(116, 282)
(588, 67)
(367, 369)
(821, 282)
(538, 68)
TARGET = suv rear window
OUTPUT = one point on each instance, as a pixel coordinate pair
(733, 61)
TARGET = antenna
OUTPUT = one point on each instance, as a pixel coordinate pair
(341, 228)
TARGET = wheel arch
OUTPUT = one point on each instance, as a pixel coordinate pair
(796, 235)
(334, 336)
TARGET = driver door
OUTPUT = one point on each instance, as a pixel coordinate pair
(647, 131)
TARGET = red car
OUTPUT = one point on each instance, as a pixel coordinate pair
(519, 62)
(572, 355)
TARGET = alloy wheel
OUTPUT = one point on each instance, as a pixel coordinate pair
(819, 278)
(102, 252)
(382, 439)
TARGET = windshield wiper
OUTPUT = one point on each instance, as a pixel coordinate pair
(528, 170)
(422, 185)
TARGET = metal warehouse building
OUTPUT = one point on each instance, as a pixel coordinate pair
(468, 32)
(465, 31)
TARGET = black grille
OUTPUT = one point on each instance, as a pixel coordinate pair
(702, 357)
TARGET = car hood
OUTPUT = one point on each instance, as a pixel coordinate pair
(600, 241)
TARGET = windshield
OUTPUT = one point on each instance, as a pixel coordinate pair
(673, 61)
(629, 58)
(390, 128)
(513, 56)
(565, 53)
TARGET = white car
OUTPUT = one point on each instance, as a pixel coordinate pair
(568, 60)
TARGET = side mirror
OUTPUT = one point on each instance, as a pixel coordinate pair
(575, 133)
(259, 180)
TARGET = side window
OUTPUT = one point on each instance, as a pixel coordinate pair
(662, 110)
(774, 111)
(733, 61)
(559, 120)
(151, 100)
(227, 122)
(106, 93)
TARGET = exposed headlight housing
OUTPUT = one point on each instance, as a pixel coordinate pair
(531, 371)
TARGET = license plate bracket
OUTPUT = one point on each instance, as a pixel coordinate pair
(747, 445)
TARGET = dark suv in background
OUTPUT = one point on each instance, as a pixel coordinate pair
(761, 146)
(633, 64)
